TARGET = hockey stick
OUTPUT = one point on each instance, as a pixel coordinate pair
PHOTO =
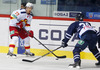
(26, 60)
(49, 50)
(45, 46)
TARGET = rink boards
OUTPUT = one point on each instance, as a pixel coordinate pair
(50, 33)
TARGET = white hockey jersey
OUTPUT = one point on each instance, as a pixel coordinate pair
(20, 15)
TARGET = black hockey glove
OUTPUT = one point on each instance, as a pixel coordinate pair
(64, 44)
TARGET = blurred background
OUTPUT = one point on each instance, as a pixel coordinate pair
(48, 7)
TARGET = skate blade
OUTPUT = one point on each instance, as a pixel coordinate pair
(97, 65)
(11, 56)
(29, 56)
(77, 67)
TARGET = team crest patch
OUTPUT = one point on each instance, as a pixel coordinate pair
(80, 42)
(12, 32)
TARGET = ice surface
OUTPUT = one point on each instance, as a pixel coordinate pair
(45, 63)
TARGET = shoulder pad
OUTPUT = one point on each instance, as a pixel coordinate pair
(15, 13)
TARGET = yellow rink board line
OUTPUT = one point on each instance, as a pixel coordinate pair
(40, 52)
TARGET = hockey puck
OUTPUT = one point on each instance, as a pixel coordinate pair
(56, 58)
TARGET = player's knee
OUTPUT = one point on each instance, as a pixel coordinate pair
(76, 50)
(27, 41)
(26, 44)
(14, 39)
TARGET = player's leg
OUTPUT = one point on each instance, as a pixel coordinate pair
(93, 48)
(81, 45)
(12, 46)
(27, 46)
(14, 38)
(96, 53)
(24, 35)
(76, 57)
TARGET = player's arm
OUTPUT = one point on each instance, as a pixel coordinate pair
(28, 28)
(71, 29)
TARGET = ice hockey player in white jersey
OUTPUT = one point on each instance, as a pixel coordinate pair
(87, 36)
(20, 21)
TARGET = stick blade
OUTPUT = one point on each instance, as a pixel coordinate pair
(27, 60)
(61, 56)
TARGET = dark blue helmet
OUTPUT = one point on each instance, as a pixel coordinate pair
(80, 16)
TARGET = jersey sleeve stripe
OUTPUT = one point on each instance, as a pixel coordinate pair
(23, 12)
(68, 35)
(14, 16)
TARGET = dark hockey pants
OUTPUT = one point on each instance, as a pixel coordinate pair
(89, 39)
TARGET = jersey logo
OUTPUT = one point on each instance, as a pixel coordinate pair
(12, 32)
(25, 21)
(80, 42)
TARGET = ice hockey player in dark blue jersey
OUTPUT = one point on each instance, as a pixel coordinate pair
(87, 36)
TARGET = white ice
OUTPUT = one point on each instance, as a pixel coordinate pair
(45, 63)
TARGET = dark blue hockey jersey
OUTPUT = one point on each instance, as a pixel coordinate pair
(79, 27)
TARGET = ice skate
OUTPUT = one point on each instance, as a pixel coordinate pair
(11, 54)
(29, 54)
(76, 65)
(97, 64)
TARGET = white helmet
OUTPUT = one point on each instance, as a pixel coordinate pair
(29, 5)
